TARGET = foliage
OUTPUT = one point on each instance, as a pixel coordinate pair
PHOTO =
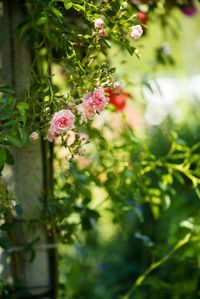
(154, 208)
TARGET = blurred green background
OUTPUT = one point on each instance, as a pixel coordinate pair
(105, 261)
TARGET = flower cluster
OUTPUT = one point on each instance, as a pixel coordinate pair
(99, 24)
(92, 103)
(63, 121)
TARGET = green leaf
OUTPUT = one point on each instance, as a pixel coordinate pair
(11, 123)
(7, 227)
(10, 159)
(2, 156)
(167, 202)
(137, 53)
(23, 134)
(107, 43)
(68, 5)
(78, 7)
(13, 141)
(57, 13)
(41, 20)
(131, 50)
(7, 89)
(18, 209)
(5, 243)
(22, 105)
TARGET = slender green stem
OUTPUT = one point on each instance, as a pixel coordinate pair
(157, 264)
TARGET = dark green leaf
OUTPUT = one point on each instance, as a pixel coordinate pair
(13, 140)
(7, 89)
(2, 155)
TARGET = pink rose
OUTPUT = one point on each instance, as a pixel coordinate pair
(102, 32)
(86, 111)
(12, 203)
(97, 101)
(62, 121)
(93, 102)
(118, 85)
(33, 136)
(99, 23)
(50, 135)
(136, 32)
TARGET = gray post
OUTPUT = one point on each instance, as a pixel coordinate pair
(25, 178)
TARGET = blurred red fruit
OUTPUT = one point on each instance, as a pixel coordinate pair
(142, 17)
(119, 101)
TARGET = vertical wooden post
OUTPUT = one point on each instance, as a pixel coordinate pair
(24, 179)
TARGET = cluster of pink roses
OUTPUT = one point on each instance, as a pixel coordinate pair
(63, 120)
(136, 31)
(93, 102)
(99, 24)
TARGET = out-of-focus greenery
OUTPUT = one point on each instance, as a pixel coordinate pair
(153, 213)
(146, 242)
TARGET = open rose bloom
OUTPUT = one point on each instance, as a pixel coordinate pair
(136, 32)
(62, 121)
(93, 102)
(99, 23)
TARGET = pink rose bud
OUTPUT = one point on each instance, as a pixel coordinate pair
(81, 151)
(12, 203)
(118, 85)
(33, 136)
(102, 32)
(136, 32)
(70, 105)
(99, 23)
(62, 121)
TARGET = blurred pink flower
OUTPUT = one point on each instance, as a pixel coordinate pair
(81, 151)
(12, 203)
(93, 102)
(118, 85)
(99, 23)
(50, 135)
(98, 101)
(33, 136)
(62, 121)
(86, 111)
(136, 32)
(102, 33)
